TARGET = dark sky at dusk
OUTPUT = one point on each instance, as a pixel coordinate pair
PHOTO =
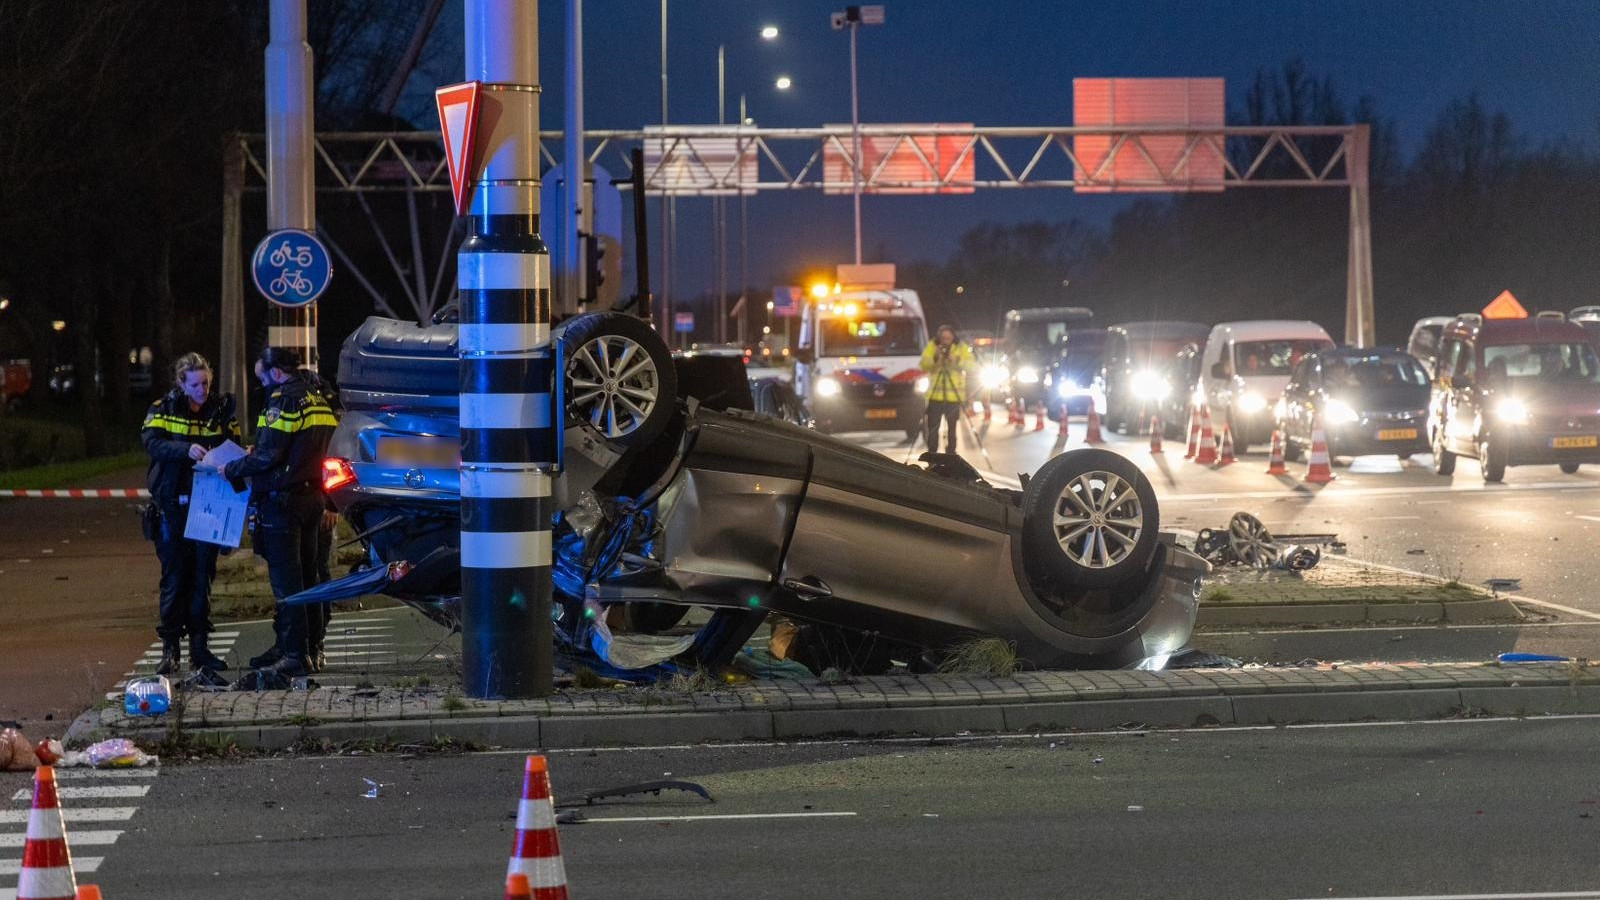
(1010, 62)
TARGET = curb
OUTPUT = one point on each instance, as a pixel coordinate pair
(1235, 699)
(1497, 609)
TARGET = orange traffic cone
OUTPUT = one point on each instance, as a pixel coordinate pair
(1155, 434)
(1092, 436)
(1206, 453)
(46, 872)
(88, 892)
(1038, 417)
(1227, 458)
(988, 412)
(1064, 418)
(1014, 413)
(1319, 469)
(536, 852)
(1194, 432)
(1275, 464)
(517, 887)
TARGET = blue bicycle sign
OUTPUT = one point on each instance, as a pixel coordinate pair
(291, 267)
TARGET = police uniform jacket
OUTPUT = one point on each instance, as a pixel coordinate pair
(292, 437)
(170, 427)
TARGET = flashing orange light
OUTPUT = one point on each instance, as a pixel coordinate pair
(819, 290)
(336, 473)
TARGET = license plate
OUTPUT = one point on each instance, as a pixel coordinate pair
(882, 413)
(419, 452)
(1397, 434)
(1566, 443)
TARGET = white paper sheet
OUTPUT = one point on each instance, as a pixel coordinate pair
(216, 511)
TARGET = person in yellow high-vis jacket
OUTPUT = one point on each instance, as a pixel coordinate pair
(948, 362)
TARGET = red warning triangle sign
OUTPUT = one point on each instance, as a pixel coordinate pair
(1504, 306)
(458, 119)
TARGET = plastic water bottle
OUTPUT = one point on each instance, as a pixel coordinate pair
(149, 695)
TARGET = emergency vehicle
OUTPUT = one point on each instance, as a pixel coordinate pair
(856, 365)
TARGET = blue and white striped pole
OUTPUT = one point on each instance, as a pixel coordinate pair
(509, 429)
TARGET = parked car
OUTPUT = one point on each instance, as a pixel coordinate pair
(1245, 367)
(1073, 379)
(1424, 340)
(1135, 377)
(1516, 392)
(746, 514)
(1589, 318)
(1030, 343)
(1369, 402)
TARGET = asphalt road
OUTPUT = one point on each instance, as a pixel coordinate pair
(1481, 807)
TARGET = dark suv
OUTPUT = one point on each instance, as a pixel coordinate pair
(1516, 392)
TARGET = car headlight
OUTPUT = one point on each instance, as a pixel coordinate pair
(828, 387)
(993, 376)
(1067, 388)
(1028, 375)
(1511, 411)
(1150, 386)
(1252, 402)
(922, 384)
(1338, 412)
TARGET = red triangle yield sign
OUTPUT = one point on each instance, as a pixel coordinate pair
(458, 119)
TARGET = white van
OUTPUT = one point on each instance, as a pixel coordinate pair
(1245, 366)
(857, 363)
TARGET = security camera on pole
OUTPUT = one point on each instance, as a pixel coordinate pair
(510, 427)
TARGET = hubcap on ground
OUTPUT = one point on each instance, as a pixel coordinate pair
(614, 384)
(1098, 520)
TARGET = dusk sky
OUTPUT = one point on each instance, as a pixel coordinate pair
(1010, 62)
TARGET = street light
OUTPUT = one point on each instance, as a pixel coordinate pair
(719, 207)
(853, 18)
(769, 33)
(783, 83)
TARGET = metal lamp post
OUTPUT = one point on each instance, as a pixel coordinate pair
(853, 18)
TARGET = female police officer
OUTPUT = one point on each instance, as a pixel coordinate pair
(178, 430)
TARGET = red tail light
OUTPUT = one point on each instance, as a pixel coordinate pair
(336, 473)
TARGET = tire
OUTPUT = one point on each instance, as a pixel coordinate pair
(1444, 462)
(609, 388)
(1570, 468)
(1493, 461)
(1063, 544)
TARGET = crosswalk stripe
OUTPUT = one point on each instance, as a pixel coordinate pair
(88, 793)
(74, 814)
(75, 839)
(80, 865)
(82, 774)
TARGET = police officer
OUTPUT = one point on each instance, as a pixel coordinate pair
(285, 468)
(947, 361)
(178, 430)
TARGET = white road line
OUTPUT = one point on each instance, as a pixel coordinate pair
(1558, 895)
(800, 815)
(74, 814)
(75, 838)
(80, 865)
(90, 793)
(1549, 895)
(1387, 518)
(79, 774)
(1357, 493)
(1588, 518)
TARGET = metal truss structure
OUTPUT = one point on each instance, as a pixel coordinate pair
(912, 159)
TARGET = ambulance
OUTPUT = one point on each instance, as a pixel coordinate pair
(856, 360)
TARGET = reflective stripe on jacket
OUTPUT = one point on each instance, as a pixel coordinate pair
(170, 427)
(292, 437)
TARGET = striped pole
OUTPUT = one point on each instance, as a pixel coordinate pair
(291, 187)
(509, 433)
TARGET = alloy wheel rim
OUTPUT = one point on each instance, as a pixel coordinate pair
(615, 384)
(1098, 520)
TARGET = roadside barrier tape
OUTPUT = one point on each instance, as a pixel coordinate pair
(77, 493)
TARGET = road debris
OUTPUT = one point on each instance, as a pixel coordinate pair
(1503, 584)
(16, 754)
(1247, 542)
(648, 787)
(148, 695)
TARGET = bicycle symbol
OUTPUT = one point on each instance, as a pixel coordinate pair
(300, 256)
(291, 280)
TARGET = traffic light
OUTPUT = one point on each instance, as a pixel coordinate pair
(594, 272)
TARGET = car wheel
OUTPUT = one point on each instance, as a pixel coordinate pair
(1089, 520)
(1493, 460)
(620, 379)
(1444, 462)
(1571, 468)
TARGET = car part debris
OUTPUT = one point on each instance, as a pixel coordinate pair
(1531, 657)
(1297, 558)
(1246, 541)
(648, 787)
(1503, 584)
(1250, 542)
(1201, 659)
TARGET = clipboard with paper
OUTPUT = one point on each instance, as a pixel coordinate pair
(216, 511)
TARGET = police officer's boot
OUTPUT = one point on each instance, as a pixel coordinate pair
(169, 657)
(201, 657)
(268, 657)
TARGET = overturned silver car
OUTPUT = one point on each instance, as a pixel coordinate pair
(678, 493)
